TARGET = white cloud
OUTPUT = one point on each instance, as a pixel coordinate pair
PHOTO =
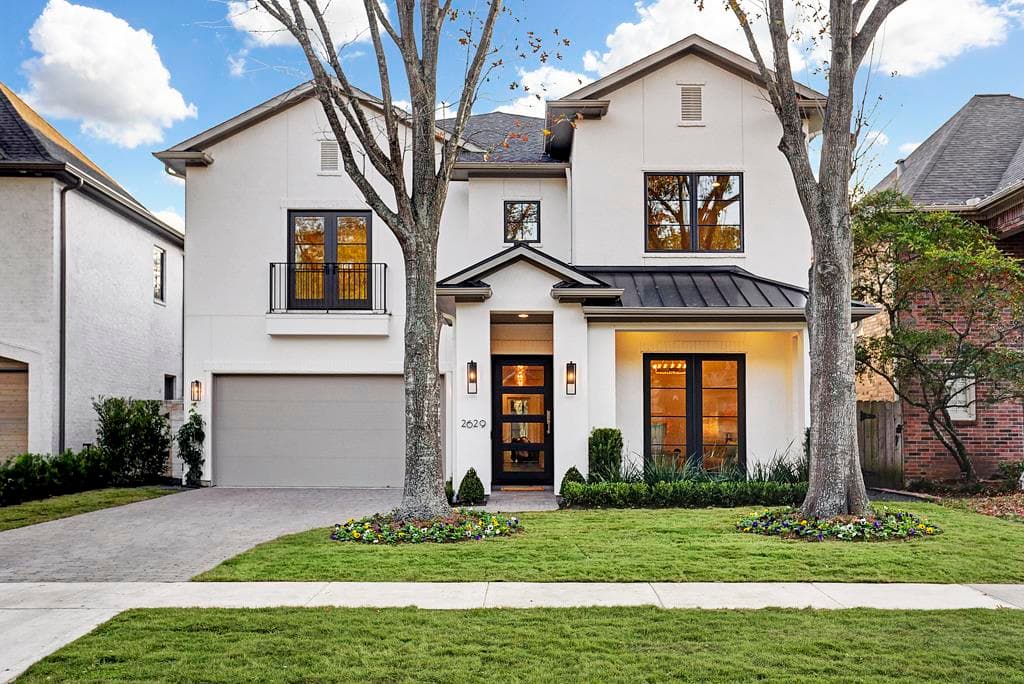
(171, 218)
(237, 62)
(544, 83)
(95, 67)
(922, 36)
(907, 148)
(876, 138)
(346, 21)
(404, 105)
(663, 22)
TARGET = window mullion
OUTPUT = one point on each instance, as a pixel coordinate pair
(692, 180)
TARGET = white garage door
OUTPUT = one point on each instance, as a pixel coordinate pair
(308, 431)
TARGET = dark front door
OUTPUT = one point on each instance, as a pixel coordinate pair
(522, 420)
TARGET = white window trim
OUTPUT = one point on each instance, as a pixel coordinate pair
(693, 124)
(968, 412)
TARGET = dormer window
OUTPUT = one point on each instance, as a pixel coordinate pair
(329, 157)
(694, 212)
(522, 221)
(691, 104)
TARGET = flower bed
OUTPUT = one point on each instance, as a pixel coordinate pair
(682, 494)
(464, 525)
(885, 525)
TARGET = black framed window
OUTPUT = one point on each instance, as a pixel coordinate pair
(522, 221)
(170, 387)
(329, 264)
(159, 271)
(694, 410)
(693, 212)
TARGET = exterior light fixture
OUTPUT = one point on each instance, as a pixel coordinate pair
(524, 315)
(471, 377)
(570, 378)
(197, 391)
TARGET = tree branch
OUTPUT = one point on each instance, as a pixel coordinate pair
(863, 37)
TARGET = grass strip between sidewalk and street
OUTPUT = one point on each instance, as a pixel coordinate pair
(66, 505)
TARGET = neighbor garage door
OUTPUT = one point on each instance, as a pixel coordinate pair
(13, 410)
(308, 431)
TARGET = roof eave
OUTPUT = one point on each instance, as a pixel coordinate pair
(466, 170)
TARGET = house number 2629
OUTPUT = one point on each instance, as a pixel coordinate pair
(474, 423)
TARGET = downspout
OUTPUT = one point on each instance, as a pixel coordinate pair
(62, 392)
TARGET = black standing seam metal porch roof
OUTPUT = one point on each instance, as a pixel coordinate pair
(697, 287)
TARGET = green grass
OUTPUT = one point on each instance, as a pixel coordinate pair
(543, 645)
(57, 507)
(673, 545)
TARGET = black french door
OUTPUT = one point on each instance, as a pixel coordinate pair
(694, 410)
(329, 260)
(522, 421)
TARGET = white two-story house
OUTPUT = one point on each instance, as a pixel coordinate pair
(643, 267)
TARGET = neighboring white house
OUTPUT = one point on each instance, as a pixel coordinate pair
(90, 290)
(642, 267)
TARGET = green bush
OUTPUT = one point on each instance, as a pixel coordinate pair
(135, 437)
(605, 454)
(449, 491)
(191, 436)
(1011, 470)
(682, 494)
(28, 477)
(572, 475)
(471, 491)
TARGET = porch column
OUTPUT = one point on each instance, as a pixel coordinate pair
(570, 417)
(602, 376)
(472, 343)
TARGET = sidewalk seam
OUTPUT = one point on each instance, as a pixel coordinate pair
(661, 602)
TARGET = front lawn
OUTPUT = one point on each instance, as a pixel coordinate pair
(668, 545)
(1005, 506)
(32, 512)
(543, 645)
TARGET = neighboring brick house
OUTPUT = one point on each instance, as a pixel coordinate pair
(972, 165)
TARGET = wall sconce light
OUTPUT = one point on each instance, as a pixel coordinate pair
(197, 391)
(570, 378)
(471, 377)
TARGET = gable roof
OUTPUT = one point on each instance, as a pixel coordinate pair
(471, 275)
(692, 44)
(490, 132)
(976, 154)
(29, 143)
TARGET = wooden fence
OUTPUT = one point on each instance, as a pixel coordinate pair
(879, 436)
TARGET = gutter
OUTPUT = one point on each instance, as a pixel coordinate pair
(708, 313)
(62, 363)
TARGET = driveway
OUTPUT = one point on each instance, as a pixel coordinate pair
(174, 537)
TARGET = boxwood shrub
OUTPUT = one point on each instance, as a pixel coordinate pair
(682, 494)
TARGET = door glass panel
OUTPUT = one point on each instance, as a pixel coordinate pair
(352, 230)
(720, 374)
(522, 433)
(668, 373)
(523, 461)
(308, 257)
(719, 402)
(352, 257)
(668, 402)
(522, 375)
(716, 457)
(667, 435)
(522, 404)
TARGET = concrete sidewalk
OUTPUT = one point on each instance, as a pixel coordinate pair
(38, 618)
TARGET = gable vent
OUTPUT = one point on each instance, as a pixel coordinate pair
(691, 105)
(329, 156)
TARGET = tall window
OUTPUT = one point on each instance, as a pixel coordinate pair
(330, 259)
(159, 268)
(693, 408)
(522, 221)
(694, 212)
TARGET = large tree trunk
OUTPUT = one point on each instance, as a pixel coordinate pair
(423, 496)
(836, 484)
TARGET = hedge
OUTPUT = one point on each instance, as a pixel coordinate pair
(682, 494)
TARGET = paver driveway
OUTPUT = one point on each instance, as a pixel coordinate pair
(174, 537)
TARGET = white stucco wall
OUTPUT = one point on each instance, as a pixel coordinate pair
(641, 134)
(120, 342)
(28, 296)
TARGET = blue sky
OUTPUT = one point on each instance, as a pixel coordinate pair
(119, 95)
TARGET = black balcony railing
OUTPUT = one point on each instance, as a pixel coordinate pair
(328, 287)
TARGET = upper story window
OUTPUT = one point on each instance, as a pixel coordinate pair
(159, 270)
(962, 399)
(522, 221)
(693, 212)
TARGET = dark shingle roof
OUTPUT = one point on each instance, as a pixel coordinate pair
(977, 152)
(492, 131)
(25, 137)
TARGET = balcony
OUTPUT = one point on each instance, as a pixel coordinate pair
(328, 299)
(325, 287)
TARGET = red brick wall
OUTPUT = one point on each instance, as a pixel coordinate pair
(996, 434)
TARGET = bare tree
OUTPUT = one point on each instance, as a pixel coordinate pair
(414, 212)
(850, 26)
